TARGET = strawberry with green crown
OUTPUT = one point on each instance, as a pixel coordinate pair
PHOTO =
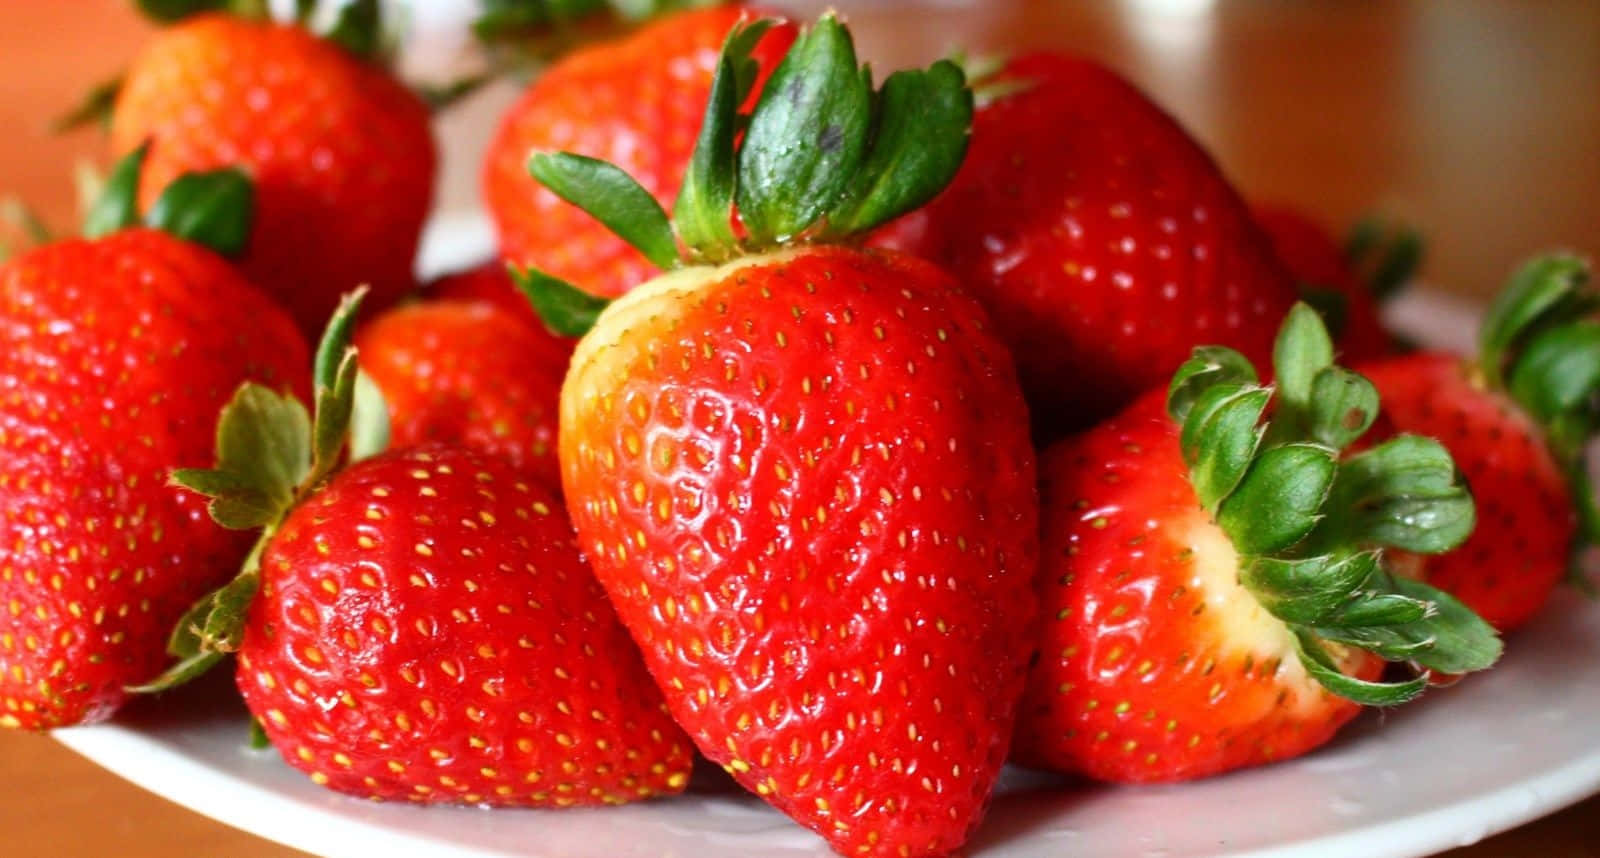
(1517, 421)
(340, 151)
(802, 469)
(120, 347)
(416, 624)
(1216, 587)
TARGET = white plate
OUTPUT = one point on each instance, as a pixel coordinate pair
(1488, 754)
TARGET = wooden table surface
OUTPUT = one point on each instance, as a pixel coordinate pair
(1478, 121)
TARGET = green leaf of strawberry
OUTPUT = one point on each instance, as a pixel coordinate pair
(613, 197)
(212, 208)
(118, 205)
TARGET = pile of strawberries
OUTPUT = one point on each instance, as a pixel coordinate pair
(859, 436)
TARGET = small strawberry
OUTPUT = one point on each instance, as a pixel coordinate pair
(119, 348)
(636, 102)
(802, 470)
(1098, 234)
(1516, 420)
(1215, 588)
(470, 373)
(418, 625)
(1328, 282)
(341, 152)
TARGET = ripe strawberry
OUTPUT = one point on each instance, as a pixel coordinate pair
(492, 283)
(1516, 421)
(470, 373)
(803, 475)
(341, 152)
(419, 625)
(1098, 234)
(1327, 281)
(1215, 590)
(635, 102)
(119, 349)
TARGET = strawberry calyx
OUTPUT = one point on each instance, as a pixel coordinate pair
(823, 156)
(212, 208)
(1384, 253)
(1310, 522)
(1540, 345)
(271, 455)
(357, 26)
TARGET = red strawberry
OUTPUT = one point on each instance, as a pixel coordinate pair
(119, 350)
(1327, 281)
(419, 625)
(470, 373)
(1516, 421)
(1098, 234)
(635, 102)
(803, 475)
(1210, 584)
(341, 153)
(487, 282)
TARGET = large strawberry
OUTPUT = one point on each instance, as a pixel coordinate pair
(340, 151)
(470, 373)
(119, 349)
(1098, 234)
(1216, 592)
(635, 102)
(1516, 420)
(802, 470)
(418, 625)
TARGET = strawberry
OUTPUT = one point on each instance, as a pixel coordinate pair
(1516, 420)
(1328, 282)
(341, 152)
(1216, 589)
(635, 102)
(801, 469)
(119, 349)
(1098, 234)
(469, 373)
(487, 282)
(418, 625)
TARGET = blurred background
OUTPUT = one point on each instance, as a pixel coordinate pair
(1476, 120)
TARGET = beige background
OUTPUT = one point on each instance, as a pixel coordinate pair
(1478, 120)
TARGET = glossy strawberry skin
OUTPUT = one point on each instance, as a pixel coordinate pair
(1155, 665)
(119, 353)
(1098, 235)
(427, 631)
(637, 103)
(1314, 259)
(807, 486)
(340, 153)
(1519, 550)
(488, 282)
(470, 373)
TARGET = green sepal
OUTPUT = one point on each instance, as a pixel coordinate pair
(1331, 304)
(1404, 493)
(94, 109)
(806, 137)
(564, 308)
(263, 455)
(359, 29)
(22, 216)
(1342, 407)
(1555, 378)
(213, 209)
(118, 205)
(1449, 639)
(508, 19)
(1208, 366)
(1544, 288)
(333, 375)
(369, 420)
(1280, 498)
(703, 212)
(1302, 349)
(1307, 590)
(257, 740)
(170, 11)
(612, 197)
(1220, 437)
(922, 120)
(1322, 668)
(1384, 254)
(181, 672)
